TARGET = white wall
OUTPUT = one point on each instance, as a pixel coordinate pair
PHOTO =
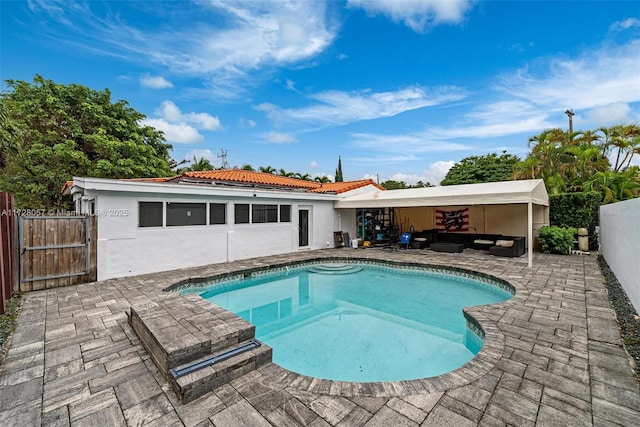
(620, 244)
(124, 249)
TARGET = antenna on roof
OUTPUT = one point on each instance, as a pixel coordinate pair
(223, 156)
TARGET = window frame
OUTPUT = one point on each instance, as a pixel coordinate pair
(201, 212)
(223, 207)
(162, 215)
(262, 213)
(280, 211)
(235, 213)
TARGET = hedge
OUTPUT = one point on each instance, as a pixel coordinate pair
(576, 210)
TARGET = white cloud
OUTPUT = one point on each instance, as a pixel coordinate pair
(226, 42)
(616, 113)
(339, 107)
(201, 154)
(437, 171)
(181, 128)
(598, 77)
(291, 85)
(170, 112)
(313, 164)
(433, 174)
(246, 39)
(330, 176)
(279, 138)
(179, 133)
(496, 119)
(602, 82)
(419, 15)
(155, 82)
(251, 123)
(625, 24)
(404, 145)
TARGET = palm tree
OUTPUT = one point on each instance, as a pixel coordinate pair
(305, 176)
(283, 172)
(322, 179)
(267, 169)
(615, 186)
(625, 139)
(201, 164)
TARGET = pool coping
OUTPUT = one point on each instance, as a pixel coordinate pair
(486, 359)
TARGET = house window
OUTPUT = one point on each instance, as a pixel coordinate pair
(241, 214)
(285, 213)
(150, 214)
(217, 213)
(264, 213)
(186, 214)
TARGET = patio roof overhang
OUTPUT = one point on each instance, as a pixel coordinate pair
(493, 193)
(530, 192)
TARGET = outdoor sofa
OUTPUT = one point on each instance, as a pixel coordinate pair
(480, 241)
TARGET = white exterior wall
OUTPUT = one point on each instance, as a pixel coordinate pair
(124, 249)
(620, 244)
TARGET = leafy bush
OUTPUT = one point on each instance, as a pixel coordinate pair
(576, 210)
(556, 240)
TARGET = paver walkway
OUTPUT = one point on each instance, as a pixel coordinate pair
(74, 360)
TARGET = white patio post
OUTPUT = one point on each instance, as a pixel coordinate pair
(530, 233)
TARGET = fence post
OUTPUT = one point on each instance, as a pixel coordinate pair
(6, 249)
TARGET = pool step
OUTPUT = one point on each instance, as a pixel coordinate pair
(180, 331)
(335, 268)
(201, 381)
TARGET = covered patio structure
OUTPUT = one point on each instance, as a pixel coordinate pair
(515, 208)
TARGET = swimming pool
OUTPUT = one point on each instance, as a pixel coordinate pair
(361, 322)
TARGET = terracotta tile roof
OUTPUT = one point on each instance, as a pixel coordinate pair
(341, 187)
(240, 176)
(260, 179)
(162, 179)
(67, 185)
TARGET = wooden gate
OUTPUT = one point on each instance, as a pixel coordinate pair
(56, 251)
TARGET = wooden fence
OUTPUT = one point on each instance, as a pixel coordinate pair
(56, 250)
(8, 262)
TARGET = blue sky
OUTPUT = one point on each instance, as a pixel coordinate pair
(399, 89)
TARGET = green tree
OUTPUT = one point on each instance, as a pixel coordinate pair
(476, 169)
(283, 172)
(267, 169)
(64, 131)
(247, 167)
(580, 161)
(339, 177)
(625, 141)
(7, 137)
(200, 164)
(304, 176)
(322, 179)
(393, 185)
(615, 186)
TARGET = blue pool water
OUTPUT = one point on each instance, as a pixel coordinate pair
(359, 322)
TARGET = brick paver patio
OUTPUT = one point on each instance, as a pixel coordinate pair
(74, 360)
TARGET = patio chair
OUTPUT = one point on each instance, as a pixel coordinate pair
(405, 239)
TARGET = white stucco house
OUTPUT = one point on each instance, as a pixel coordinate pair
(208, 217)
